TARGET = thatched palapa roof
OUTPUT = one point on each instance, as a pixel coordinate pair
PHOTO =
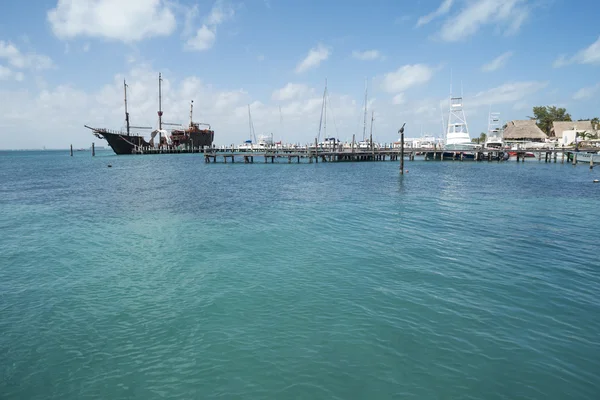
(558, 127)
(523, 130)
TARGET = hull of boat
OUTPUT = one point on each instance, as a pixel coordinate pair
(586, 157)
(461, 147)
(458, 155)
(123, 143)
(527, 154)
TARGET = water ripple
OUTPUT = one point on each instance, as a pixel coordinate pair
(164, 277)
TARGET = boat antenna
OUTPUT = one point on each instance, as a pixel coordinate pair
(443, 122)
(365, 117)
(126, 113)
(160, 113)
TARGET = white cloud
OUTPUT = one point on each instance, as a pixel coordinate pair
(126, 21)
(226, 110)
(203, 40)
(86, 47)
(589, 55)
(406, 77)
(5, 73)
(443, 9)
(367, 55)
(586, 92)
(290, 91)
(220, 12)
(313, 59)
(399, 99)
(20, 60)
(206, 35)
(498, 62)
(511, 92)
(507, 15)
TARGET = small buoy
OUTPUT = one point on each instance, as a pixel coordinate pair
(407, 171)
(109, 165)
(596, 181)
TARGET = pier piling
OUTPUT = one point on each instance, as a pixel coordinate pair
(402, 149)
(93, 150)
(71, 150)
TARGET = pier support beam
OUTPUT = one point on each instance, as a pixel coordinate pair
(93, 149)
(71, 150)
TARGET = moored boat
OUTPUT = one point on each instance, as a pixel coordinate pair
(585, 157)
(458, 141)
(124, 142)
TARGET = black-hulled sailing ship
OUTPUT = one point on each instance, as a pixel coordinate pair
(192, 137)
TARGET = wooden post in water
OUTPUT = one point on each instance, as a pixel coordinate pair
(562, 158)
(93, 150)
(401, 132)
(591, 162)
(574, 158)
(353, 139)
(71, 150)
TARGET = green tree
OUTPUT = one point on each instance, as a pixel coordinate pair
(481, 139)
(595, 123)
(545, 115)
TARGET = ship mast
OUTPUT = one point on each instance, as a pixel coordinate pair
(191, 113)
(126, 113)
(372, 119)
(365, 117)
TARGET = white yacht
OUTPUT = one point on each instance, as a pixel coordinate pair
(494, 139)
(457, 133)
(585, 157)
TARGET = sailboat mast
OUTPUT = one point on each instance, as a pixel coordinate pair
(372, 119)
(126, 113)
(160, 113)
(280, 125)
(322, 110)
(365, 117)
(250, 122)
(325, 110)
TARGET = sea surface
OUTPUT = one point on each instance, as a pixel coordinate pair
(165, 277)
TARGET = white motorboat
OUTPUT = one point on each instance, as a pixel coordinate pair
(457, 133)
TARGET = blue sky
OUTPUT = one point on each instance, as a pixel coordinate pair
(62, 64)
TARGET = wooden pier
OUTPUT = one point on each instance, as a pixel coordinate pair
(387, 154)
(311, 154)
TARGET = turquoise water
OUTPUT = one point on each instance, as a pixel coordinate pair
(167, 277)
